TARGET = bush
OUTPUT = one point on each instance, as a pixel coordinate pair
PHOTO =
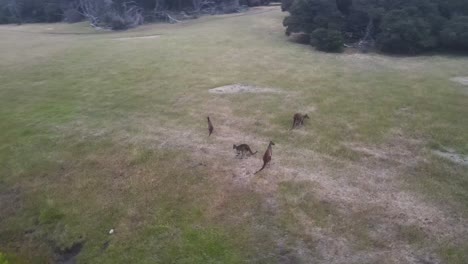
(455, 33)
(329, 40)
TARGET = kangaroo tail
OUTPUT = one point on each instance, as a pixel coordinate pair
(264, 164)
(253, 153)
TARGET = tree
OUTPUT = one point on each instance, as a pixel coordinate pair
(455, 33)
(405, 33)
(286, 4)
(309, 15)
(112, 13)
(396, 26)
(10, 11)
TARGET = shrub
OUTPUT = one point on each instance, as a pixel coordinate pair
(329, 40)
(455, 33)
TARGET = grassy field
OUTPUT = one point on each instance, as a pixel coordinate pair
(104, 131)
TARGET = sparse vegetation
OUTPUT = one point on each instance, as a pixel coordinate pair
(108, 131)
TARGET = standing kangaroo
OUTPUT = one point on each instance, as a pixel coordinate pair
(210, 126)
(299, 120)
(267, 156)
(242, 149)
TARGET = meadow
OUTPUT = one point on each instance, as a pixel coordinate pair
(107, 130)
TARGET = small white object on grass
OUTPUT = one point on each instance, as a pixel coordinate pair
(111, 231)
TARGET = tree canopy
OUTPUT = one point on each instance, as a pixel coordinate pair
(393, 26)
(117, 14)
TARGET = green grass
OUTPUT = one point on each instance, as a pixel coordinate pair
(412, 234)
(441, 181)
(453, 254)
(82, 121)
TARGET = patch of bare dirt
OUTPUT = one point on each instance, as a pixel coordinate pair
(242, 88)
(398, 150)
(460, 80)
(10, 202)
(137, 38)
(452, 156)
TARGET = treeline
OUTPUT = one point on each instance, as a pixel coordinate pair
(393, 26)
(115, 14)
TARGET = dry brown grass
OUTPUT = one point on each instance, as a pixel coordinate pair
(367, 194)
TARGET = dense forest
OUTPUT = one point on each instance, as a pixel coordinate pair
(115, 14)
(392, 26)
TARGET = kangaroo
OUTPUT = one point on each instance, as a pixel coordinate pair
(210, 126)
(267, 156)
(242, 149)
(299, 120)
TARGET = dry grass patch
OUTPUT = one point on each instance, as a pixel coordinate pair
(347, 207)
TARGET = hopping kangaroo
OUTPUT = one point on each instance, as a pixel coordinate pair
(299, 120)
(243, 149)
(210, 126)
(267, 156)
